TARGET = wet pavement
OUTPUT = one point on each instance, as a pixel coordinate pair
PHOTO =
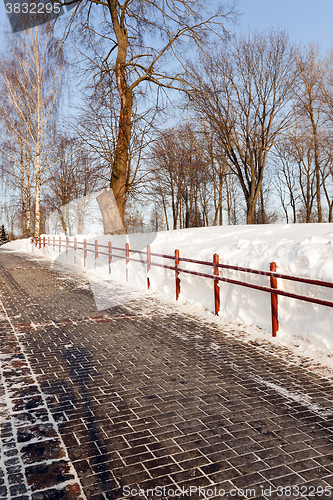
(139, 401)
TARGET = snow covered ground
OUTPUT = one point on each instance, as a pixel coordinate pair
(304, 250)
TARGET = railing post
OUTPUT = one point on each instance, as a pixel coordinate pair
(75, 245)
(53, 242)
(148, 265)
(40, 242)
(59, 244)
(96, 251)
(48, 241)
(66, 246)
(127, 261)
(177, 274)
(274, 301)
(110, 255)
(216, 285)
(43, 241)
(84, 252)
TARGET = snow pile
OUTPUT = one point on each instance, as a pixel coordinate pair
(304, 250)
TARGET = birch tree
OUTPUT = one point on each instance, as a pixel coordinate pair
(30, 84)
(14, 147)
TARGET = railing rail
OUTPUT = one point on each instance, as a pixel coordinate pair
(214, 264)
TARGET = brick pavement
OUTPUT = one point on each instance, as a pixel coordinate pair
(99, 405)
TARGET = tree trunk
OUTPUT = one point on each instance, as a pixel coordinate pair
(215, 207)
(37, 200)
(263, 215)
(63, 221)
(119, 175)
(251, 208)
(319, 209)
(120, 168)
(39, 132)
(251, 211)
(220, 200)
(253, 194)
(228, 202)
(317, 168)
(28, 197)
(24, 211)
(165, 211)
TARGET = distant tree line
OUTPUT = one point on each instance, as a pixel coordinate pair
(258, 148)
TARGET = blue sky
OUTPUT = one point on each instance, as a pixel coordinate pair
(305, 20)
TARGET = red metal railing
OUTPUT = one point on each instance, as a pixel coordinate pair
(272, 274)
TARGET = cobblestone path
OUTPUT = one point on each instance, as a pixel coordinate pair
(134, 404)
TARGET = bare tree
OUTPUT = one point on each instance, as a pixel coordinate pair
(180, 176)
(139, 38)
(285, 180)
(302, 153)
(71, 180)
(214, 170)
(134, 221)
(30, 84)
(327, 98)
(243, 94)
(96, 126)
(311, 69)
(62, 180)
(14, 145)
(156, 219)
(165, 159)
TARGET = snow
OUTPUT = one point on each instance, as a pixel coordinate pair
(10, 417)
(304, 250)
(298, 397)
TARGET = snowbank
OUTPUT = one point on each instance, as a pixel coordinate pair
(304, 250)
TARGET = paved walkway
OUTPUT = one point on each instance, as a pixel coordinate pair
(130, 404)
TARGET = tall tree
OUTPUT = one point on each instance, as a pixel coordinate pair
(30, 84)
(311, 69)
(180, 177)
(96, 126)
(140, 36)
(73, 178)
(15, 139)
(301, 150)
(285, 179)
(243, 94)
